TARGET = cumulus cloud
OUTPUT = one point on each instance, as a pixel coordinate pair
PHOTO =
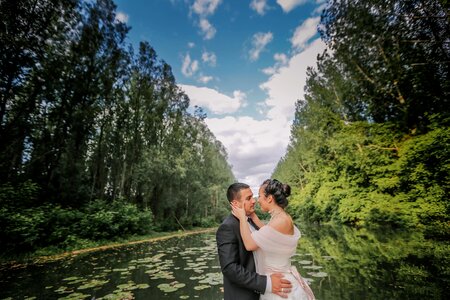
(207, 29)
(213, 100)
(260, 6)
(254, 146)
(288, 5)
(189, 67)
(122, 17)
(204, 79)
(322, 5)
(259, 43)
(203, 9)
(285, 87)
(191, 44)
(281, 60)
(210, 58)
(304, 33)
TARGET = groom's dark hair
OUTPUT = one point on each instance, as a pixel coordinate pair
(234, 190)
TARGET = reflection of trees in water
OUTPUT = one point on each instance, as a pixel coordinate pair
(381, 264)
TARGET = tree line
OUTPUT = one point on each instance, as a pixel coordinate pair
(370, 143)
(96, 140)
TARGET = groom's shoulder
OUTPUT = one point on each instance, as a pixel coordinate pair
(227, 229)
(228, 222)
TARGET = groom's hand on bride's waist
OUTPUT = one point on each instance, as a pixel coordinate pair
(280, 286)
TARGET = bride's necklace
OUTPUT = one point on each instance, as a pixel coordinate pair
(274, 213)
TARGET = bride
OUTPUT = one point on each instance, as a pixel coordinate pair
(274, 244)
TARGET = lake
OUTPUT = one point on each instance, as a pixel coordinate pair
(339, 263)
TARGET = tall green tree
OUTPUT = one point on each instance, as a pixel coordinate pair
(27, 31)
(381, 87)
(397, 54)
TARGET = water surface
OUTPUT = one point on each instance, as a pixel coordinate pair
(339, 263)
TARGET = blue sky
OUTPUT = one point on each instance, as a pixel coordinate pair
(243, 61)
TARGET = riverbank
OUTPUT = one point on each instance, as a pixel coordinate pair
(54, 254)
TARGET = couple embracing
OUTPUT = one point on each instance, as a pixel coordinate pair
(255, 257)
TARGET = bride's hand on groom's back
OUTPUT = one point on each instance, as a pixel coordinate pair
(281, 287)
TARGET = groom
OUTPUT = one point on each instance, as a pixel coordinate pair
(238, 266)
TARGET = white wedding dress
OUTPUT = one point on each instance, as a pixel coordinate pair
(274, 256)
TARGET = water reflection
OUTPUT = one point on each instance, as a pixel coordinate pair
(382, 264)
(339, 263)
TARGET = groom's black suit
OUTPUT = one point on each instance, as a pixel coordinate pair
(240, 280)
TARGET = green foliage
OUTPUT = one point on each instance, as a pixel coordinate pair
(103, 220)
(370, 141)
(371, 176)
(22, 194)
(29, 229)
(83, 117)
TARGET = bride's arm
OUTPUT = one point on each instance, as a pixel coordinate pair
(257, 221)
(246, 234)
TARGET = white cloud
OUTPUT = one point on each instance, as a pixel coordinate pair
(214, 101)
(189, 67)
(253, 146)
(304, 33)
(320, 8)
(288, 5)
(207, 29)
(205, 7)
(285, 87)
(269, 70)
(191, 44)
(122, 17)
(281, 60)
(259, 42)
(260, 6)
(209, 58)
(205, 79)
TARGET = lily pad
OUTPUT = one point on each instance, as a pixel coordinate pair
(63, 290)
(125, 286)
(162, 275)
(197, 277)
(74, 296)
(212, 279)
(121, 295)
(120, 270)
(92, 284)
(167, 288)
(312, 267)
(318, 274)
(73, 278)
(201, 287)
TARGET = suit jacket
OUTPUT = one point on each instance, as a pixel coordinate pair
(240, 279)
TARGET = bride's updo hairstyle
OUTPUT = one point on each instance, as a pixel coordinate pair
(278, 190)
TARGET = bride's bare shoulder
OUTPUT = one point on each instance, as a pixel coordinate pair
(283, 224)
